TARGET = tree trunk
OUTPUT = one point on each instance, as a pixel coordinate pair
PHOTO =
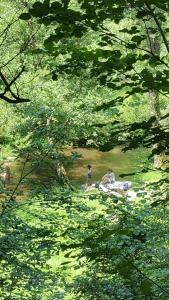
(154, 46)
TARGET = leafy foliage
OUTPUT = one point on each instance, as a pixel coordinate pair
(113, 249)
(92, 70)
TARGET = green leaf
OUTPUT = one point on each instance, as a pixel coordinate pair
(137, 39)
(25, 16)
(146, 287)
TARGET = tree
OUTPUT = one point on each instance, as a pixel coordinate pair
(93, 66)
(117, 53)
(14, 42)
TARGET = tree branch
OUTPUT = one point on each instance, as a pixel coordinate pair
(148, 37)
(22, 49)
(158, 25)
(127, 44)
(145, 50)
(12, 81)
(17, 98)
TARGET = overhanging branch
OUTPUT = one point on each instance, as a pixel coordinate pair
(158, 25)
(17, 98)
(14, 79)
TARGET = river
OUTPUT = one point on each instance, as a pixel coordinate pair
(115, 159)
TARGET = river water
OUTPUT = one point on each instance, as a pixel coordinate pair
(115, 159)
(76, 170)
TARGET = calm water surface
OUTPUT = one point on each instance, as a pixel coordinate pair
(115, 159)
(101, 161)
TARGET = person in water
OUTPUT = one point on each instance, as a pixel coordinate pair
(109, 177)
(89, 174)
(6, 175)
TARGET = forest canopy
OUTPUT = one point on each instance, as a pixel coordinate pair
(90, 74)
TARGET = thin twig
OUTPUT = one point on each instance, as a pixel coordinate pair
(127, 44)
(21, 50)
(158, 25)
